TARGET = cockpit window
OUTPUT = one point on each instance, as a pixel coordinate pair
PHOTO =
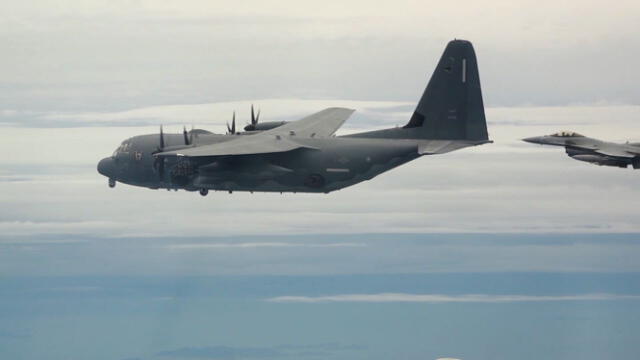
(123, 148)
(567, 134)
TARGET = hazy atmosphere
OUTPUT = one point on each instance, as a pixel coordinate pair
(507, 250)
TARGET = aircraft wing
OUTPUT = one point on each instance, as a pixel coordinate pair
(321, 124)
(280, 139)
(611, 151)
(616, 151)
(243, 145)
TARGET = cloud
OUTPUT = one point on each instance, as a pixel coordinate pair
(437, 298)
(214, 115)
(221, 352)
(252, 245)
(55, 227)
(455, 192)
(74, 289)
(15, 179)
(316, 254)
(278, 351)
(52, 192)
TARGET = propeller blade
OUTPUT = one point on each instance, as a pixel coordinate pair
(185, 135)
(161, 138)
(233, 123)
(253, 117)
(159, 161)
(232, 129)
(258, 116)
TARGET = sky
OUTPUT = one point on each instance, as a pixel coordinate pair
(446, 256)
(107, 55)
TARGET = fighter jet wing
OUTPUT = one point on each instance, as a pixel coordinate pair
(280, 139)
(321, 124)
(615, 151)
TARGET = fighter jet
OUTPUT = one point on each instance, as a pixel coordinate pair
(305, 155)
(591, 150)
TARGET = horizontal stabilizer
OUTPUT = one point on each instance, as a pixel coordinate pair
(432, 147)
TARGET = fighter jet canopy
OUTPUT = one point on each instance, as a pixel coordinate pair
(567, 134)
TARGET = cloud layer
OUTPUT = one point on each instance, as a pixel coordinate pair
(508, 186)
(438, 298)
(81, 254)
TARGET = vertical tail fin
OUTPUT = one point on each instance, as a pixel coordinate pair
(451, 107)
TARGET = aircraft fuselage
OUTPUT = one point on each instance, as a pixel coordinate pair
(338, 162)
(592, 150)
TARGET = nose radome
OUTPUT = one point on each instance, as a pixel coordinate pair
(533, 139)
(106, 167)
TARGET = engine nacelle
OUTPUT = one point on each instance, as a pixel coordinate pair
(264, 126)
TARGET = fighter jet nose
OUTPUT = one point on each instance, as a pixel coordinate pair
(533, 139)
(106, 167)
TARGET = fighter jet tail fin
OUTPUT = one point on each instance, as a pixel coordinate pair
(451, 106)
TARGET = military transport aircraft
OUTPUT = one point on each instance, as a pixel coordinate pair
(305, 155)
(591, 150)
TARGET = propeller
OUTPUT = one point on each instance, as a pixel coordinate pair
(188, 137)
(254, 120)
(159, 162)
(161, 139)
(232, 129)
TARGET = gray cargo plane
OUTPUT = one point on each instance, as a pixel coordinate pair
(305, 155)
(591, 150)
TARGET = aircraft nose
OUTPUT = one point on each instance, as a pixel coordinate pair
(533, 139)
(106, 167)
